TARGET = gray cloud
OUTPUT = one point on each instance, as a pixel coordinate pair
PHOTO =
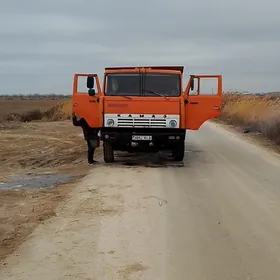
(43, 43)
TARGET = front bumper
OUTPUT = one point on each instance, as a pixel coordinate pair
(158, 136)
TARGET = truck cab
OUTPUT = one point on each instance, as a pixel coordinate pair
(145, 109)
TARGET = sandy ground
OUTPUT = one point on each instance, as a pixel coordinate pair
(39, 145)
(35, 148)
(216, 217)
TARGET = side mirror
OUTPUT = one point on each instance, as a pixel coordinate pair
(91, 92)
(192, 83)
(90, 82)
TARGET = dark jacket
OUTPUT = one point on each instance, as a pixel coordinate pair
(89, 132)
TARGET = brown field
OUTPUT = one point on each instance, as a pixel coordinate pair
(18, 106)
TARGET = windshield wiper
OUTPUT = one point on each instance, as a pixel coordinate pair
(155, 93)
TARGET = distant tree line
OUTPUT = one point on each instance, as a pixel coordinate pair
(275, 93)
(51, 96)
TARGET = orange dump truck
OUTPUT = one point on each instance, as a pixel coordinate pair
(145, 109)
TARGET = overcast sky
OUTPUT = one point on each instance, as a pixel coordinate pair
(43, 43)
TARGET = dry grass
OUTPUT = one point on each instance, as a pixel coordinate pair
(254, 113)
(60, 111)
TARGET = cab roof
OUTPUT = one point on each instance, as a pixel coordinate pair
(176, 68)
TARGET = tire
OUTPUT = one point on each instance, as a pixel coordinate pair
(178, 152)
(108, 152)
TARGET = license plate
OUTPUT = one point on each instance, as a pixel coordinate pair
(142, 137)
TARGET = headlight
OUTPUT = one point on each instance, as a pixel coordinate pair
(110, 122)
(172, 123)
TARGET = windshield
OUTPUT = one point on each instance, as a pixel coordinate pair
(151, 84)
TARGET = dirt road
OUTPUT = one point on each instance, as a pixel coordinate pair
(216, 217)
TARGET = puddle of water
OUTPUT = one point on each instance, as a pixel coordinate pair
(35, 182)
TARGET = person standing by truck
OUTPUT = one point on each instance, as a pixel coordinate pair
(89, 134)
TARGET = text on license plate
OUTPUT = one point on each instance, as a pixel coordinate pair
(142, 137)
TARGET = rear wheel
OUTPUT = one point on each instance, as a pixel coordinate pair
(108, 152)
(178, 152)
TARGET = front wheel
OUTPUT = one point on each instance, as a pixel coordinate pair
(178, 152)
(108, 152)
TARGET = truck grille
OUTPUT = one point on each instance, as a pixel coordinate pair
(141, 122)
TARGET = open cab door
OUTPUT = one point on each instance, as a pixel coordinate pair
(202, 102)
(87, 101)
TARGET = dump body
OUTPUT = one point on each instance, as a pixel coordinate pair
(146, 109)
